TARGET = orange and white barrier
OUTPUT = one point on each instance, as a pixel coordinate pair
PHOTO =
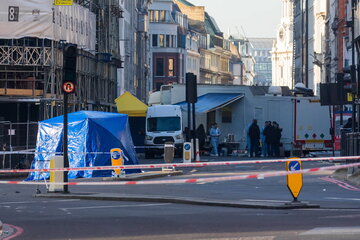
(195, 180)
(177, 165)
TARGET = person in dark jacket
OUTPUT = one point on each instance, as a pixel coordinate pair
(277, 137)
(254, 134)
(201, 135)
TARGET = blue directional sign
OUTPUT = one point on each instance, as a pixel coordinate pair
(187, 146)
(294, 166)
(115, 155)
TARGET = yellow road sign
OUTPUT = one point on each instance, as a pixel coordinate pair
(63, 2)
(294, 181)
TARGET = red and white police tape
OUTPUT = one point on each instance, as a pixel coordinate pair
(165, 165)
(193, 180)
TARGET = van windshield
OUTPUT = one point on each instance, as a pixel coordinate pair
(163, 124)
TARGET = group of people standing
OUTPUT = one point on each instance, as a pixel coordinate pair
(269, 138)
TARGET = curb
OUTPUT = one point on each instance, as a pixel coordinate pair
(178, 200)
(341, 174)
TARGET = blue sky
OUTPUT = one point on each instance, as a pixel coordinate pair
(258, 18)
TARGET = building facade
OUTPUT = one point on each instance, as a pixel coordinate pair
(168, 37)
(282, 52)
(134, 48)
(31, 66)
(310, 42)
(248, 62)
(262, 48)
(214, 49)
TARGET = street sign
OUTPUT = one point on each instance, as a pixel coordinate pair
(63, 2)
(116, 159)
(187, 152)
(294, 181)
(68, 87)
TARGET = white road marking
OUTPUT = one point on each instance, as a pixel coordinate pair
(29, 202)
(332, 231)
(115, 206)
(348, 199)
(264, 200)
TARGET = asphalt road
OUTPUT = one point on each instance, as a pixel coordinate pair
(25, 217)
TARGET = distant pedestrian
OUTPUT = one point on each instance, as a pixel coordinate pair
(265, 132)
(215, 133)
(201, 135)
(277, 139)
(254, 134)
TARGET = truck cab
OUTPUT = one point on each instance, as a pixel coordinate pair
(163, 124)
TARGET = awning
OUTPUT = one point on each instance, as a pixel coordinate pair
(213, 101)
(130, 105)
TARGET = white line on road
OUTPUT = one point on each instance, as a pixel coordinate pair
(28, 202)
(115, 206)
(348, 199)
(264, 200)
(332, 230)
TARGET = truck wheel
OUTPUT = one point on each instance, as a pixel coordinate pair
(149, 154)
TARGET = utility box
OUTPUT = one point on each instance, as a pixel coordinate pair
(169, 152)
(56, 177)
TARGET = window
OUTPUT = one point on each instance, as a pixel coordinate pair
(151, 16)
(154, 40)
(161, 40)
(226, 115)
(170, 67)
(163, 124)
(162, 16)
(168, 41)
(159, 71)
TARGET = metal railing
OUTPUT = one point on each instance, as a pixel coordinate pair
(16, 137)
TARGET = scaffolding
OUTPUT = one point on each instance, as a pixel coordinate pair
(31, 70)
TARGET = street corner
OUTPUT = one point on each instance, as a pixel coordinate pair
(8, 231)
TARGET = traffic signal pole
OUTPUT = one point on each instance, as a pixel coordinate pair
(69, 82)
(65, 142)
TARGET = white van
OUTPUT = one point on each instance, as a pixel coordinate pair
(163, 124)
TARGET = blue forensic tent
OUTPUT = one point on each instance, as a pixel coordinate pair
(89, 134)
(213, 101)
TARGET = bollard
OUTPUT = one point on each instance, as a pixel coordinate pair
(117, 160)
(192, 149)
(56, 177)
(169, 155)
(187, 152)
(197, 159)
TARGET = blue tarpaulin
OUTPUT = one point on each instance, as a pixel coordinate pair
(212, 101)
(91, 135)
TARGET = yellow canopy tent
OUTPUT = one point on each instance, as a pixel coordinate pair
(130, 105)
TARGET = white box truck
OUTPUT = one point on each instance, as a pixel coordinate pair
(163, 124)
(305, 123)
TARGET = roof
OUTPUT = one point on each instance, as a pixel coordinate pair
(130, 105)
(264, 43)
(187, 3)
(213, 101)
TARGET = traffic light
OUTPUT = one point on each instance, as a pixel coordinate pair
(191, 88)
(349, 79)
(70, 54)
